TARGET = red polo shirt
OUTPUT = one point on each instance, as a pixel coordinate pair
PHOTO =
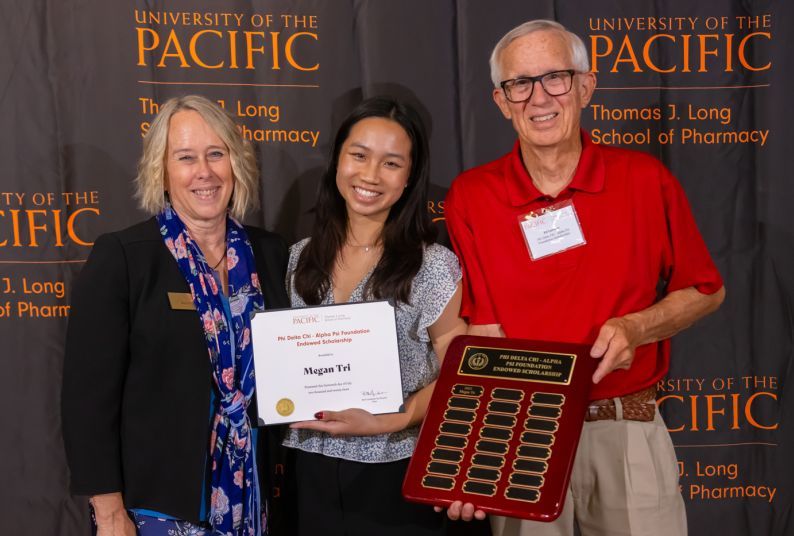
(639, 231)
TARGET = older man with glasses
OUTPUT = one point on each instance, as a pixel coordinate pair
(622, 225)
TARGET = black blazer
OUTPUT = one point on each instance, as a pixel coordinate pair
(137, 378)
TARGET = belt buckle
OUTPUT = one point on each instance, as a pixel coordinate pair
(595, 405)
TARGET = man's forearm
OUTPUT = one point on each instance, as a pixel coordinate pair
(674, 313)
(620, 336)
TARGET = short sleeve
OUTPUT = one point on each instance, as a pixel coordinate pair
(689, 262)
(434, 286)
(295, 251)
(476, 304)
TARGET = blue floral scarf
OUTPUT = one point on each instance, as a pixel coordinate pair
(234, 504)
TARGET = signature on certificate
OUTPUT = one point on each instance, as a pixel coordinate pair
(373, 395)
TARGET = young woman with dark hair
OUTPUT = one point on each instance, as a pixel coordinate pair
(373, 239)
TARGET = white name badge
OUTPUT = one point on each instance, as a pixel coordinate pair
(552, 230)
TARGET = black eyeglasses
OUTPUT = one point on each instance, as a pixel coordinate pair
(555, 83)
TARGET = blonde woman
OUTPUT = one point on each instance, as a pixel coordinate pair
(158, 374)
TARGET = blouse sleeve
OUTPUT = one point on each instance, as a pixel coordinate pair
(95, 366)
(434, 286)
(295, 251)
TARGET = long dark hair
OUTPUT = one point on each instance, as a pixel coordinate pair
(408, 228)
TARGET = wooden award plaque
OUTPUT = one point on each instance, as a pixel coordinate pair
(502, 427)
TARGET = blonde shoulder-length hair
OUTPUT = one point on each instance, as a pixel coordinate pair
(150, 181)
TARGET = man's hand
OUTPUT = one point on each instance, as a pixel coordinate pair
(616, 342)
(464, 512)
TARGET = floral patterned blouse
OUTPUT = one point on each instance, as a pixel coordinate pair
(432, 289)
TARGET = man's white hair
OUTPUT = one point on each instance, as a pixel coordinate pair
(575, 44)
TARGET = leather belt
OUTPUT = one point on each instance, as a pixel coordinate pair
(639, 406)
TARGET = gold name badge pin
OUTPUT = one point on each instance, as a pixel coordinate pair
(181, 301)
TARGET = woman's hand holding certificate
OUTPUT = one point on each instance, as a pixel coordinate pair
(353, 421)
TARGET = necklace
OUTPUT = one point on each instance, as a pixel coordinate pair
(353, 242)
(219, 261)
(365, 247)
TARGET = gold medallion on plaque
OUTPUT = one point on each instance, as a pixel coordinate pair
(285, 407)
(478, 361)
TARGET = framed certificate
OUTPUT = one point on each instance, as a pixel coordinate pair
(331, 357)
(502, 427)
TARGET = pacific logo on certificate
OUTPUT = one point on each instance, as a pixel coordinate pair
(330, 357)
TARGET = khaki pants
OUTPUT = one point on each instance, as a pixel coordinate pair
(624, 483)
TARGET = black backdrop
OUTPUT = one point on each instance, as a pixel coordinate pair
(78, 80)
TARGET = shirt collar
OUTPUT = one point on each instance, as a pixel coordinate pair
(589, 175)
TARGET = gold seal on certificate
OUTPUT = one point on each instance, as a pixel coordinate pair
(330, 357)
(285, 407)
